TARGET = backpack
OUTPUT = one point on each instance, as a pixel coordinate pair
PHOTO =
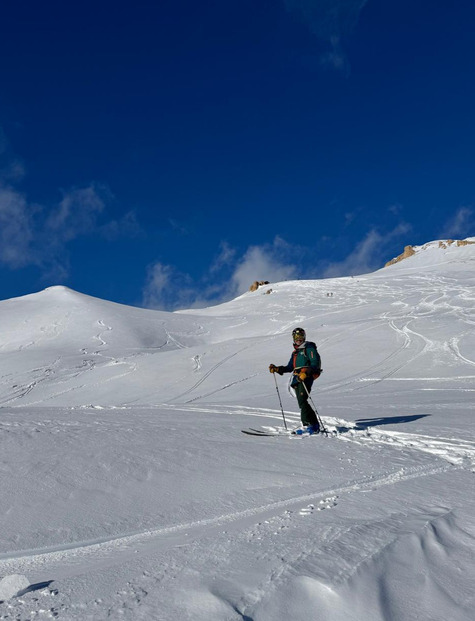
(310, 345)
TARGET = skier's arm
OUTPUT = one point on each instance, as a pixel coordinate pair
(289, 367)
(282, 369)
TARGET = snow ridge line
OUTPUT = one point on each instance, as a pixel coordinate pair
(30, 560)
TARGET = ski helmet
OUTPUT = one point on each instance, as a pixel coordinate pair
(299, 334)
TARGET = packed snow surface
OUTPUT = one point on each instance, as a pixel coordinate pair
(129, 492)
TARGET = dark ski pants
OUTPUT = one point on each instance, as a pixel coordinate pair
(307, 414)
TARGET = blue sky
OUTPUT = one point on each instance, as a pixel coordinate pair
(167, 154)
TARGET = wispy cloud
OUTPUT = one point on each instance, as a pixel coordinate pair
(11, 169)
(228, 276)
(225, 257)
(38, 235)
(330, 21)
(460, 225)
(76, 214)
(16, 229)
(160, 278)
(177, 226)
(368, 255)
(167, 288)
(126, 226)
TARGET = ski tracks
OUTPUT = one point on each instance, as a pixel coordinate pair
(323, 552)
(455, 451)
(198, 366)
(95, 552)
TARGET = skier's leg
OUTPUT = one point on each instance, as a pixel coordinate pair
(307, 414)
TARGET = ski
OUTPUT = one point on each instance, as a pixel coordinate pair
(253, 432)
(263, 432)
(270, 431)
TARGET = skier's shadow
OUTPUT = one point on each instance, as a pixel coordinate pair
(35, 587)
(365, 423)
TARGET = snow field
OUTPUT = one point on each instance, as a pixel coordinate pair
(128, 492)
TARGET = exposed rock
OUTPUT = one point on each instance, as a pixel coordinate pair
(448, 242)
(444, 244)
(256, 284)
(408, 252)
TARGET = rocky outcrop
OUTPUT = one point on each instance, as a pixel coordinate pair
(444, 244)
(408, 252)
(256, 284)
(457, 242)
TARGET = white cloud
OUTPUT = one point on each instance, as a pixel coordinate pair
(167, 288)
(12, 169)
(32, 234)
(76, 214)
(38, 235)
(16, 229)
(224, 258)
(160, 278)
(460, 225)
(368, 255)
(261, 263)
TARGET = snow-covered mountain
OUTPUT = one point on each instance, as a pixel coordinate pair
(126, 482)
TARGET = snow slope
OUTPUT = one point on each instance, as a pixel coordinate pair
(128, 492)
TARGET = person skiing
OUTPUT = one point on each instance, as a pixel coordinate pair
(305, 363)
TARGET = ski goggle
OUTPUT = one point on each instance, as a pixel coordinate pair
(299, 337)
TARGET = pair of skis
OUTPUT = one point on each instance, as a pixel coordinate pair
(282, 432)
(286, 431)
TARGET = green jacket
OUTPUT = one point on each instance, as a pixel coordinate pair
(305, 356)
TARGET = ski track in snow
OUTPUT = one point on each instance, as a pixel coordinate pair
(21, 390)
(453, 453)
(96, 552)
(213, 369)
(88, 364)
(457, 451)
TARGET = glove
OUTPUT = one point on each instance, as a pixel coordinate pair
(302, 376)
(272, 368)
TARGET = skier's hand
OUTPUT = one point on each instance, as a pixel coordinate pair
(272, 368)
(302, 376)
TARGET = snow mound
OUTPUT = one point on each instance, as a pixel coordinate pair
(11, 585)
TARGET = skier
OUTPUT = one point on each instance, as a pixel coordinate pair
(305, 363)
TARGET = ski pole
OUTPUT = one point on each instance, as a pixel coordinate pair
(320, 422)
(280, 400)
